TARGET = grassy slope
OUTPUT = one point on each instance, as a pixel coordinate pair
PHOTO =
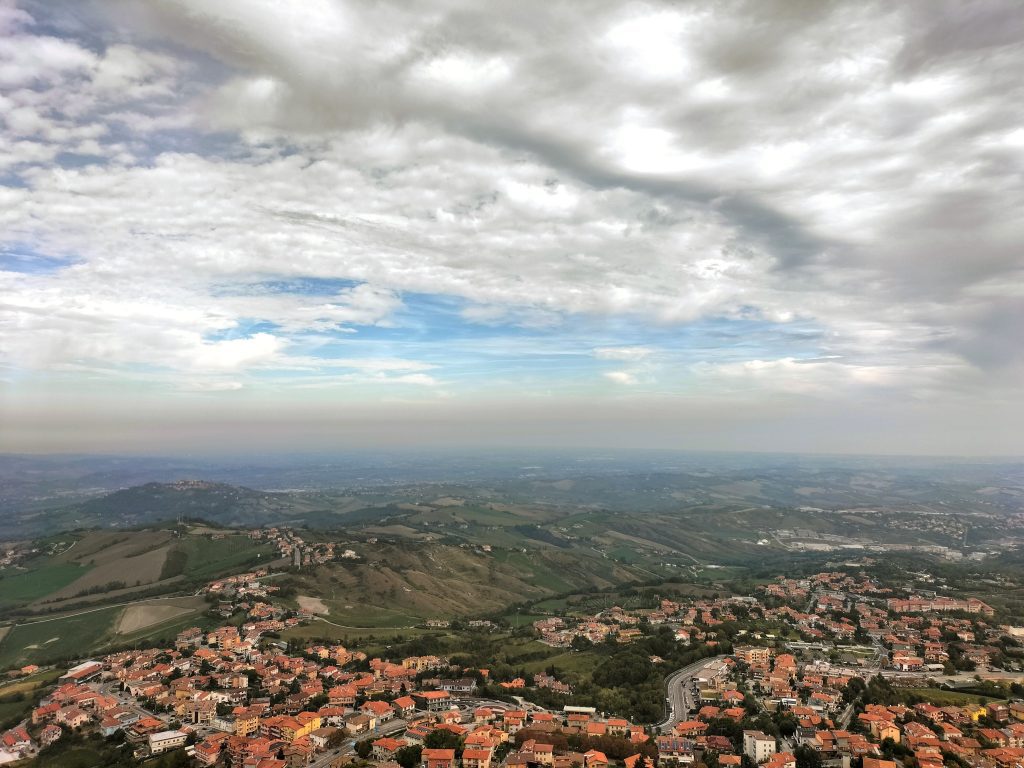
(24, 694)
(401, 584)
(941, 698)
(206, 558)
(22, 588)
(56, 639)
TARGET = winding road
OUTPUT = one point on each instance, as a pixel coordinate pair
(677, 692)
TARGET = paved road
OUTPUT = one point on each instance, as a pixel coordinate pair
(348, 746)
(677, 691)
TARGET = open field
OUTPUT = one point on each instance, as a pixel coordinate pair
(579, 663)
(199, 558)
(163, 633)
(944, 698)
(55, 639)
(18, 698)
(30, 683)
(137, 570)
(362, 615)
(18, 588)
(326, 631)
(110, 546)
(107, 567)
(138, 617)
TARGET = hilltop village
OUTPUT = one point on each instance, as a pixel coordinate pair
(834, 670)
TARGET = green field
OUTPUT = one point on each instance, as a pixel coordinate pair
(943, 698)
(540, 576)
(579, 663)
(166, 632)
(320, 630)
(21, 588)
(18, 698)
(203, 558)
(362, 615)
(56, 639)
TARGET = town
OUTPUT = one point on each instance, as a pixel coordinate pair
(835, 669)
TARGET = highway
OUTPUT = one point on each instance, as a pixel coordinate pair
(679, 695)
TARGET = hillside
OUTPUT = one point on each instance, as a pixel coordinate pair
(401, 583)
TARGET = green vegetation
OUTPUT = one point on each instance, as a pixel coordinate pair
(201, 558)
(56, 639)
(18, 698)
(78, 751)
(21, 588)
(942, 697)
(370, 640)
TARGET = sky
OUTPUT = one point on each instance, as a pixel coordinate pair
(790, 225)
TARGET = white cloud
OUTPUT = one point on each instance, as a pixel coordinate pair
(851, 167)
(620, 377)
(232, 354)
(623, 353)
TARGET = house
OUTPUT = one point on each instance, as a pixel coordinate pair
(342, 696)
(322, 736)
(166, 740)
(381, 711)
(438, 758)
(595, 759)
(544, 754)
(405, 706)
(50, 734)
(617, 726)
(691, 728)
(432, 701)
(72, 717)
(476, 758)
(207, 752)
(781, 760)
(385, 748)
(675, 750)
(462, 685)
(999, 712)
(16, 740)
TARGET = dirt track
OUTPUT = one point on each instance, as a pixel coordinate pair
(312, 604)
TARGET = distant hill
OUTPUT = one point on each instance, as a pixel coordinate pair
(158, 502)
(217, 502)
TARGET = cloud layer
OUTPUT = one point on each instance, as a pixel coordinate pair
(649, 204)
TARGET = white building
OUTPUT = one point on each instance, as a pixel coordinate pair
(165, 740)
(758, 746)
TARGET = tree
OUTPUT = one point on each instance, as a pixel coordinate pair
(580, 643)
(409, 757)
(336, 738)
(364, 748)
(807, 757)
(787, 724)
(443, 739)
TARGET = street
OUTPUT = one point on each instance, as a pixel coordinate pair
(679, 694)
